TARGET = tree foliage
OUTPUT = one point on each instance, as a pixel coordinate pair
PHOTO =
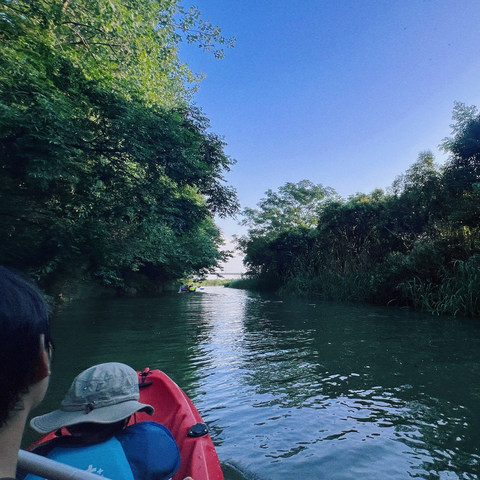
(462, 172)
(293, 205)
(105, 166)
(125, 45)
(417, 244)
(282, 218)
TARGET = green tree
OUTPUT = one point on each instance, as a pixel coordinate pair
(419, 201)
(355, 228)
(462, 171)
(125, 45)
(293, 205)
(101, 171)
(282, 225)
(418, 244)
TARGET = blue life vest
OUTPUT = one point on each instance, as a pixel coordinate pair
(143, 451)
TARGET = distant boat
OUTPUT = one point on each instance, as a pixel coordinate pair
(187, 289)
(190, 289)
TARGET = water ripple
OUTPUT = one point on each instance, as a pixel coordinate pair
(298, 390)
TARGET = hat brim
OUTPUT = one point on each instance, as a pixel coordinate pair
(109, 414)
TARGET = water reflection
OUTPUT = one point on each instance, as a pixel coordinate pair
(292, 389)
(391, 388)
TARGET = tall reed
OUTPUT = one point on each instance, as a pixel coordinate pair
(457, 293)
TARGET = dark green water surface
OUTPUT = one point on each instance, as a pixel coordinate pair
(296, 390)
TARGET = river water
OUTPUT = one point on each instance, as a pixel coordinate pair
(294, 389)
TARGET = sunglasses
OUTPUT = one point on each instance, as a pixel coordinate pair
(49, 346)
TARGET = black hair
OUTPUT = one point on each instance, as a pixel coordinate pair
(88, 433)
(23, 318)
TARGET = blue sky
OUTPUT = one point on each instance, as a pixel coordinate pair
(345, 93)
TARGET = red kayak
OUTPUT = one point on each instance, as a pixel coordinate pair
(174, 409)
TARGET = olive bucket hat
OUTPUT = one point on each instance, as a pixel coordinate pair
(105, 393)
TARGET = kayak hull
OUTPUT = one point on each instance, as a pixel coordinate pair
(175, 410)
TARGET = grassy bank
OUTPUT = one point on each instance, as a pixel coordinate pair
(455, 291)
(254, 283)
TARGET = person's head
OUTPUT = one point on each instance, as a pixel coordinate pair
(25, 342)
(100, 398)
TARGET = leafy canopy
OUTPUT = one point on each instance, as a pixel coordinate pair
(293, 205)
(104, 164)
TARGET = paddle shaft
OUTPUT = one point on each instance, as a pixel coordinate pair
(47, 468)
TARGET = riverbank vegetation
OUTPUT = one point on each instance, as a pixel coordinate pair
(215, 282)
(252, 283)
(108, 172)
(417, 244)
(204, 282)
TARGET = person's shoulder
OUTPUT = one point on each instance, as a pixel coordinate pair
(62, 441)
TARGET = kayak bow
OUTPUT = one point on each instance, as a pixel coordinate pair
(175, 410)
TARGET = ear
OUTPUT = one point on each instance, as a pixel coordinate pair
(43, 363)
